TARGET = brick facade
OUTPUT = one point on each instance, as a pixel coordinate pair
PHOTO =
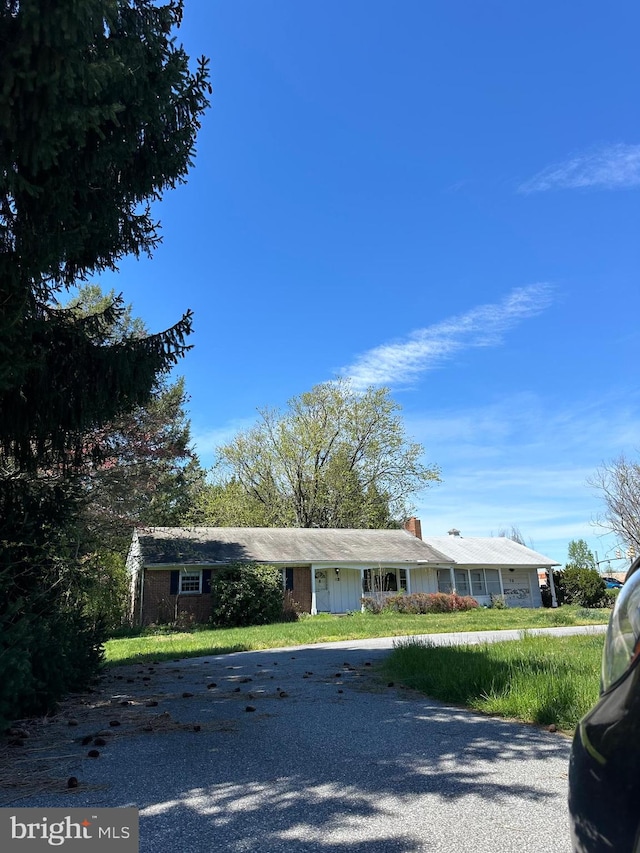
(161, 607)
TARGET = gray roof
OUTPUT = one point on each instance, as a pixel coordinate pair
(488, 551)
(180, 545)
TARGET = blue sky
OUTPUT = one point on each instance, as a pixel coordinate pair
(441, 197)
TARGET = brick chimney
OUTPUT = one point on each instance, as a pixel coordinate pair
(413, 526)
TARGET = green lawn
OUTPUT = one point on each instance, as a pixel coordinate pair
(540, 680)
(325, 628)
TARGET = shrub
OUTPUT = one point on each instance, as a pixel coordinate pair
(545, 589)
(372, 605)
(462, 602)
(610, 596)
(498, 602)
(247, 594)
(107, 589)
(48, 644)
(66, 652)
(44, 655)
(545, 595)
(291, 609)
(419, 603)
(584, 587)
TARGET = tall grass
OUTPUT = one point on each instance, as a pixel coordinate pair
(162, 645)
(537, 679)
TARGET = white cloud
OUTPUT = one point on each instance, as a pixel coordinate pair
(402, 362)
(207, 441)
(549, 503)
(525, 462)
(609, 167)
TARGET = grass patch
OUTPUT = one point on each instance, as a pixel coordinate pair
(540, 680)
(166, 645)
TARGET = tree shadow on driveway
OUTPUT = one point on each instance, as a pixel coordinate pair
(316, 754)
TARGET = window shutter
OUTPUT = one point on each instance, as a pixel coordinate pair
(206, 580)
(175, 582)
(289, 580)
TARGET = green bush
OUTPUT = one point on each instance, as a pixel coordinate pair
(247, 594)
(17, 687)
(106, 591)
(45, 653)
(419, 602)
(610, 596)
(65, 652)
(48, 645)
(584, 587)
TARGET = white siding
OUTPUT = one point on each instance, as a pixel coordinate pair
(424, 580)
(344, 594)
(521, 588)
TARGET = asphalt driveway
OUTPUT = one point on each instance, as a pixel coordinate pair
(298, 750)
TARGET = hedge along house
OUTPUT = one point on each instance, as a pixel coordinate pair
(324, 570)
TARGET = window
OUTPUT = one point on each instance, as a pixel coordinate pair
(389, 581)
(190, 582)
(493, 582)
(484, 582)
(383, 580)
(403, 579)
(471, 581)
(288, 580)
(462, 581)
(444, 580)
(478, 583)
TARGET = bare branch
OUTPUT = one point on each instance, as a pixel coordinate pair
(618, 483)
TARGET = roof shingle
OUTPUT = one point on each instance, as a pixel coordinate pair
(179, 545)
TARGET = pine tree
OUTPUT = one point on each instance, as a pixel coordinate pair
(98, 116)
(99, 112)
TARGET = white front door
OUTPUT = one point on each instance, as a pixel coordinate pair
(323, 602)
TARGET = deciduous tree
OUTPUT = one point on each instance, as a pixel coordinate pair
(580, 555)
(618, 484)
(334, 458)
(512, 533)
(224, 502)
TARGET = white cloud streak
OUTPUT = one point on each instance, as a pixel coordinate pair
(402, 362)
(609, 167)
(206, 442)
(526, 461)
